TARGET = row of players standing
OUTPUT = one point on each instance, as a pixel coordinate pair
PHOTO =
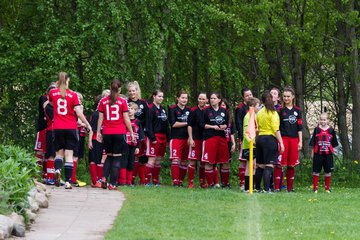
(203, 133)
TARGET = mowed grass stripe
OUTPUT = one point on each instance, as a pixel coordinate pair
(173, 213)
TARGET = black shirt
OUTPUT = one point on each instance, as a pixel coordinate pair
(290, 121)
(212, 117)
(156, 121)
(176, 114)
(194, 120)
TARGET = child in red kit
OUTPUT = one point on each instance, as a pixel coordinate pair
(323, 141)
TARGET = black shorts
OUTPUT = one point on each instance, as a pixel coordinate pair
(67, 139)
(95, 154)
(143, 159)
(246, 154)
(79, 153)
(323, 161)
(266, 149)
(115, 144)
(50, 147)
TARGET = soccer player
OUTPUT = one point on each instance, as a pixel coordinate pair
(41, 125)
(157, 134)
(240, 113)
(255, 103)
(215, 147)
(134, 93)
(95, 149)
(291, 132)
(64, 102)
(323, 142)
(195, 133)
(267, 142)
(179, 148)
(230, 135)
(127, 166)
(114, 118)
(50, 148)
(275, 93)
(79, 152)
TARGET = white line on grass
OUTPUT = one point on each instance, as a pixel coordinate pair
(254, 218)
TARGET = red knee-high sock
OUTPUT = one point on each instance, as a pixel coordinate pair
(141, 171)
(148, 173)
(277, 177)
(191, 173)
(73, 176)
(202, 174)
(327, 182)
(315, 182)
(99, 171)
(242, 175)
(182, 173)
(209, 174)
(93, 173)
(129, 177)
(135, 171)
(50, 169)
(290, 175)
(122, 176)
(175, 171)
(225, 174)
(44, 168)
(216, 175)
(156, 174)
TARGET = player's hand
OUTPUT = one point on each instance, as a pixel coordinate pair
(232, 148)
(90, 145)
(223, 127)
(191, 142)
(99, 137)
(136, 151)
(300, 146)
(282, 148)
(132, 137)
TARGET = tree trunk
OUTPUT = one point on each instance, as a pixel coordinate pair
(341, 91)
(206, 66)
(298, 80)
(355, 90)
(194, 83)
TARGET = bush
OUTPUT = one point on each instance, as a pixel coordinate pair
(18, 168)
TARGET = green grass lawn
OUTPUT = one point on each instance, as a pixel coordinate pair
(180, 213)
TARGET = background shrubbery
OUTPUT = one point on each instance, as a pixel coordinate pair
(17, 171)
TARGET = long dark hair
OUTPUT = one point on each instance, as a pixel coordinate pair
(227, 109)
(266, 98)
(179, 93)
(114, 91)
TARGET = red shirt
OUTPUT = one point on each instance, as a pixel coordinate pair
(113, 122)
(64, 114)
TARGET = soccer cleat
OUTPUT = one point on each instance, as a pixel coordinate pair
(148, 184)
(191, 185)
(228, 186)
(68, 185)
(50, 182)
(217, 185)
(276, 190)
(291, 191)
(104, 185)
(315, 191)
(112, 187)
(98, 183)
(158, 185)
(328, 191)
(57, 178)
(242, 187)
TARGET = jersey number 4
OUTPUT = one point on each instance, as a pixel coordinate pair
(112, 112)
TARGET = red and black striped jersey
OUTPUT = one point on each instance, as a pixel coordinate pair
(213, 117)
(176, 114)
(138, 133)
(156, 121)
(194, 120)
(290, 121)
(323, 141)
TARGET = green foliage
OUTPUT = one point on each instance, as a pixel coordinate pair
(17, 171)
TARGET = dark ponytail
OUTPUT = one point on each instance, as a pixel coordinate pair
(266, 98)
(114, 91)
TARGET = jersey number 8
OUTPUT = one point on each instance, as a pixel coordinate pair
(61, 106)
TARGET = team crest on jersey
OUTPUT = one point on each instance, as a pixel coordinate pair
(295, 113)
(163, 116)
(219, 119)
(187, 113)
(292, 119)
(222, 114)
(141, 106)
